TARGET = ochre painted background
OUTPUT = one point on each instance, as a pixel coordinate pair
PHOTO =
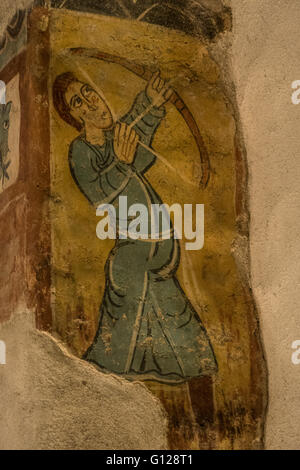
(209, 277)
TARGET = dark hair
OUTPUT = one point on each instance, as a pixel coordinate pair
(60, 86)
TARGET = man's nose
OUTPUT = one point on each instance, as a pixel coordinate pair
(91, 106)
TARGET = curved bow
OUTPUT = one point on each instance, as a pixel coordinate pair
(145, 73)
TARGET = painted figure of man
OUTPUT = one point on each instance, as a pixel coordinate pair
(148, 328)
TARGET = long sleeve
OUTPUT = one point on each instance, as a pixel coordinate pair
(99, 183)
(147, 118)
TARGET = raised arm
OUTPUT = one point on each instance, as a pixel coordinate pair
(145, 116)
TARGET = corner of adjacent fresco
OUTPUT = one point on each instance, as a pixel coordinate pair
(52, 400)
(9, 8)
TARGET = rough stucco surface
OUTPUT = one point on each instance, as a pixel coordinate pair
(265, 58)
(51, 400)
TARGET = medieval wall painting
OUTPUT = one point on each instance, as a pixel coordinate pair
(138, 110)
(10, 116)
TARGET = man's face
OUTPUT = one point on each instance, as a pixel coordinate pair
(86, 105)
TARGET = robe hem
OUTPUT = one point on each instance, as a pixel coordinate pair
(153, 376)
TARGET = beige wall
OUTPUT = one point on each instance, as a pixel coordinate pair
(266, 60)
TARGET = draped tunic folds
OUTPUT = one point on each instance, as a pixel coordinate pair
(148, 328)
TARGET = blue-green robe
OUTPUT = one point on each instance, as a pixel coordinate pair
(148, 328)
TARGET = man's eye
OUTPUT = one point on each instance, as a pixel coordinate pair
(77, 102)
(88, 90)
(6, 125)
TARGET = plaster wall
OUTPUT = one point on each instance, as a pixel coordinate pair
(265, 62)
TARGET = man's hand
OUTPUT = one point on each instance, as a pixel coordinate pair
(158, 90)
(125, 142)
